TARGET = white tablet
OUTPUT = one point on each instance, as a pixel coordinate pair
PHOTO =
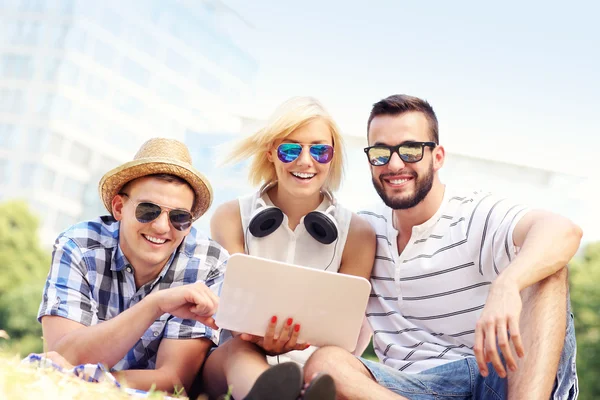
(329, 306)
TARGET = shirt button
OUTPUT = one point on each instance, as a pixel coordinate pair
(128, 269)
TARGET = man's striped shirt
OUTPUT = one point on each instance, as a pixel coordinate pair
(426, 301)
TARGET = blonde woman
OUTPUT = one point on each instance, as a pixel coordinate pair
(297, 161)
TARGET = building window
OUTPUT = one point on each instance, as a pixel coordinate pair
(170, 93)
(96, 87)
(69, 73)
(104, 54)
(61, 108)
(7, 136)
(56, 145)
(32, 5)
(79, 154)
(26, 32)
(27, 175)
(177, 62)
(16, 66)
(4, 172)
(134, 72)
(47, 179)
(11, 100)
(128, 104)
(72, 189)
(36, 139)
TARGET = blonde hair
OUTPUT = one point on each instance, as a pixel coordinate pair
(289, 116)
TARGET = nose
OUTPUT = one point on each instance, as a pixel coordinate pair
(304, 158)
(396, 163)
(161, 224)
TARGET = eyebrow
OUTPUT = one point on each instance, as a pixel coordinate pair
(313, 142)
(401, 143)
(162, 205)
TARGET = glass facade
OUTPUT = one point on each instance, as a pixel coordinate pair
(84, 84)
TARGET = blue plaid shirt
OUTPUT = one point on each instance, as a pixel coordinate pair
(91, 281)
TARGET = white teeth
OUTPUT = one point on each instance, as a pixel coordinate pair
(155, 240)
(303, 175)
(397, 181)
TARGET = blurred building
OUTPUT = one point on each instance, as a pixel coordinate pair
(84, 83)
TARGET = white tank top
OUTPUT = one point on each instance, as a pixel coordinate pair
(295, 247)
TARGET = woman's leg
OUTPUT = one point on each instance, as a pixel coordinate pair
(236, 364)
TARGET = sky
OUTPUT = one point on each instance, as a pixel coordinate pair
(512, 81)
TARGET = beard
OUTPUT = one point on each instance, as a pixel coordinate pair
(423, 185)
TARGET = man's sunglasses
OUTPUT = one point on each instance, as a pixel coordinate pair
(409, 152)
(321, 153)
(147, 212)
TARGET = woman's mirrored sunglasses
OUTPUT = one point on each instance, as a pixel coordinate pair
(321, 153)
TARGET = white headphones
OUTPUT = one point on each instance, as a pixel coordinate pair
(321, 225)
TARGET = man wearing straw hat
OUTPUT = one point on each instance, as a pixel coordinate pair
(136, 290)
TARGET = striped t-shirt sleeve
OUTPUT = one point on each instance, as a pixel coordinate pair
(497, 219)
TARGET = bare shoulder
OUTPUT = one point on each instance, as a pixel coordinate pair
(360, 247)
(360, 228)
(228, 210)
(226, 227)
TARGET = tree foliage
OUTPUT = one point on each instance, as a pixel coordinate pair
(23, 265)
(585, 298)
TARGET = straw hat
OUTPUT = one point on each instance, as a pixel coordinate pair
(158, 156)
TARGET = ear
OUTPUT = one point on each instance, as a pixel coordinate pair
(117, 207)
(439, 156)
(270, 153)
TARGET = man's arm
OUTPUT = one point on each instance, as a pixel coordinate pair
(547, 242)
(177, 363)
(108, 342)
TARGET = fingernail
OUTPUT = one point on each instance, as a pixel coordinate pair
(273, 319)
(297, 327)
(289, 321)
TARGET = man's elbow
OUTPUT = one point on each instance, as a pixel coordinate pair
(573, 234)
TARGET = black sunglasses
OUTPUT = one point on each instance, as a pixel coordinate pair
(409, 152)
(146, 211)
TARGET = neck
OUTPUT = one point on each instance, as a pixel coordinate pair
(142, 272)
(292, 206)
(405, 220)
(144, 276)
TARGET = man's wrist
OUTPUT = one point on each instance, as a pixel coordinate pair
(152, 303)
(506, 281)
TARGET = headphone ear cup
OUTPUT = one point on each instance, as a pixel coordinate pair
(265, 222)
(321, 227)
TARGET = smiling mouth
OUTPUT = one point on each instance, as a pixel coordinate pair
(154, 240)
(303, 175)
(398, 181)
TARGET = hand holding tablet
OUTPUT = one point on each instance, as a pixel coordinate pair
(328, 306)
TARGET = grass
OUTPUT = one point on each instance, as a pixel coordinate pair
(25, 382)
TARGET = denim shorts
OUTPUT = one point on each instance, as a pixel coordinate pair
(461, 379)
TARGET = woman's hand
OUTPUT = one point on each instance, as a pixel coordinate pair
(272, 344)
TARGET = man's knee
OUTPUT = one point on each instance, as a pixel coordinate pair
(326, 359)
